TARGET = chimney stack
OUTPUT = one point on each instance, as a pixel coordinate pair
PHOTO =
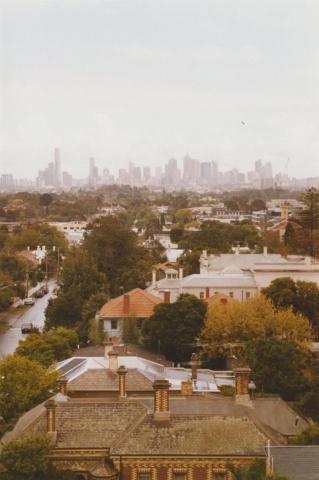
(194, 364)
(180, 273)
(108, 346)
(161, 400)
(50, 406)
(265, 251)
(167, 296)
(126, 303)
(186, 388)
(242, 375)
(113, 360)
(63, 385)
(122, 371)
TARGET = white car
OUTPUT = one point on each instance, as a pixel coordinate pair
(29, 301)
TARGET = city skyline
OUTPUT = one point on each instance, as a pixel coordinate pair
(188, 172)
(114, 79)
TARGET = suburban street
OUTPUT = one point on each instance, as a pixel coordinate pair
(34, 314)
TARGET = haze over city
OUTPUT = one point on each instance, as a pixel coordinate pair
(144, 81)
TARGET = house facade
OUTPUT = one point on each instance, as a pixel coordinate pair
(137, 304)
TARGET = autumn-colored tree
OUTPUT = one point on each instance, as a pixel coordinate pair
(257, 318)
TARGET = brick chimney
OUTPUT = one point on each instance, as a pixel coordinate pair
(126, 304)
(108, 346)
(113, 360)
(122, 371)
(167, 296)
(187, 388)
(161, 400)
(63, 385)
(194, 365)
(242, 375)
(265, 252)
(50, 406)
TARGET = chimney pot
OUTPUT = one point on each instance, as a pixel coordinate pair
(126, 303)
(63, 385)
(161, 400)
(167, 296)
(265, 251)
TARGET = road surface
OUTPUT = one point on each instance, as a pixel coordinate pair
(34, 314)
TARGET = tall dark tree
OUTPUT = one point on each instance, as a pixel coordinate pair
(174, 327)
(277, 367)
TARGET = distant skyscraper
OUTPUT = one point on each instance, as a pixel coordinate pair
(191, 170)
(57, 168)
(93, 173)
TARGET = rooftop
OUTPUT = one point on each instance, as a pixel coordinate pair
(140, 304)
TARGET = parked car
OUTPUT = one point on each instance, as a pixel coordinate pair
(38, 293)
(27, 328)
(29, 301)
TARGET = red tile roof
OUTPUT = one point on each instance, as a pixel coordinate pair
(141, 305)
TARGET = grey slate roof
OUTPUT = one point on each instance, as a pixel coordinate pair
(219, 279)
(249, 261)
(297, 462)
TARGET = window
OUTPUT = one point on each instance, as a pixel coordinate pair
(180, 475)
(231, 294)
(113, 324)
(144, 476)
(202, 295)
(247, 295)
(220, 476)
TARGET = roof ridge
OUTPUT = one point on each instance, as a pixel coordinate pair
(122, 436)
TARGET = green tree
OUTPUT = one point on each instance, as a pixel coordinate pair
(310, 436)
(49, 347)
(130, 332)
(174, 327)
(23, 384)
(96, 333)
(309, 219)
(183, 216)
(80, 281)
(45, 200)
(255, 471)
(114, 248)
(176, 234)
(302, 296)
(26, 458)
(277, 367)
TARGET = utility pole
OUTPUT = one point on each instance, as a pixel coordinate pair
(27, 285)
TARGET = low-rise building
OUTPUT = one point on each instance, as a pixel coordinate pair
(138, 304)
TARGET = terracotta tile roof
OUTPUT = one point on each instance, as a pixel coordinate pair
(218, 298)
(107, 380)
(141, 305)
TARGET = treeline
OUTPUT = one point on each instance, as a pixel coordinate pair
(109, 262)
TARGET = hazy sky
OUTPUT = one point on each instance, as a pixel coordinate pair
(144, 80)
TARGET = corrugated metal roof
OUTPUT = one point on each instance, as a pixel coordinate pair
(297, 462)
